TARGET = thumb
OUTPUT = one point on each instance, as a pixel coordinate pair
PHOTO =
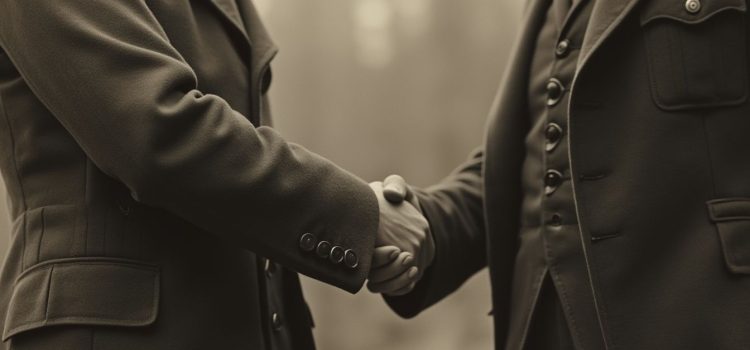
(384, 255)
(396, 190)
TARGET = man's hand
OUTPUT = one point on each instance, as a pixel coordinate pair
(404, 245)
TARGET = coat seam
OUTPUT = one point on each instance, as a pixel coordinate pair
(536, 287)
(708, 155)
(558, 283)
(49, 291)
(41, 236)
(17, 176)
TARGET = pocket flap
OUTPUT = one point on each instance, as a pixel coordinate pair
(84, 291)
(732, 219)
(676, 10)
(729, 209)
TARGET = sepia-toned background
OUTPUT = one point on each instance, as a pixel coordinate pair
(381, 87)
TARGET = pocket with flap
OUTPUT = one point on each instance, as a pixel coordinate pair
(732, 219)
(84, 291)
(696, 58)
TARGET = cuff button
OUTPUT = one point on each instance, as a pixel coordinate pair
(307, 242)
(350, 259)
(324, 249)
(337, 255)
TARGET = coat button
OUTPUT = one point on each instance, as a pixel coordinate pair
(269, 267)
(552, 180)
(350, 259)
(553, 133)
(337, 255)
(276, 323)
(324, 249)
(562, 48)
(555, 91)
(308, 242)
(555, 220)
(693, 6)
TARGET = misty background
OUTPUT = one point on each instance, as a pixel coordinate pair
(381, 87)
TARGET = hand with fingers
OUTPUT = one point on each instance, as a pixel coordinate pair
(404, 245)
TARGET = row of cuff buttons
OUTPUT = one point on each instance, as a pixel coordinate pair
(324, 249)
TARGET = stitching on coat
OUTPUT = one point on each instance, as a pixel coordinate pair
(654, 84)
(91, 261)
(90, 320)
(706, 17)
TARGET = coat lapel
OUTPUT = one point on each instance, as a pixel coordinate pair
(229, 11)
(261, 55)
(253, 25)
(605, 17)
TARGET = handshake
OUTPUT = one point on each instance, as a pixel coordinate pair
(404, 247)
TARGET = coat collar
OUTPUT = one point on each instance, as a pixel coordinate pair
(605, 17)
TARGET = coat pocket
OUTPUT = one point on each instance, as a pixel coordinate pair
(696, 52)
(83, 291)
(732, 219)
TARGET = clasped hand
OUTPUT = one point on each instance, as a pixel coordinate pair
(404, 247)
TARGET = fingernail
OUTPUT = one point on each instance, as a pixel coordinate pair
(408, 260)
(394, 254)
(413, 272)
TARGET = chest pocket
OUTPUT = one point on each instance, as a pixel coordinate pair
(697, 52)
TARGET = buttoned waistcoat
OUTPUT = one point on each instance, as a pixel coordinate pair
(658, 118)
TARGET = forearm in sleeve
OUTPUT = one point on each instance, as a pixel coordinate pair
(107, 71)
(454, 209)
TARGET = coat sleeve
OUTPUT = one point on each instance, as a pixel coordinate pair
(107, 71)
(454, 209)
